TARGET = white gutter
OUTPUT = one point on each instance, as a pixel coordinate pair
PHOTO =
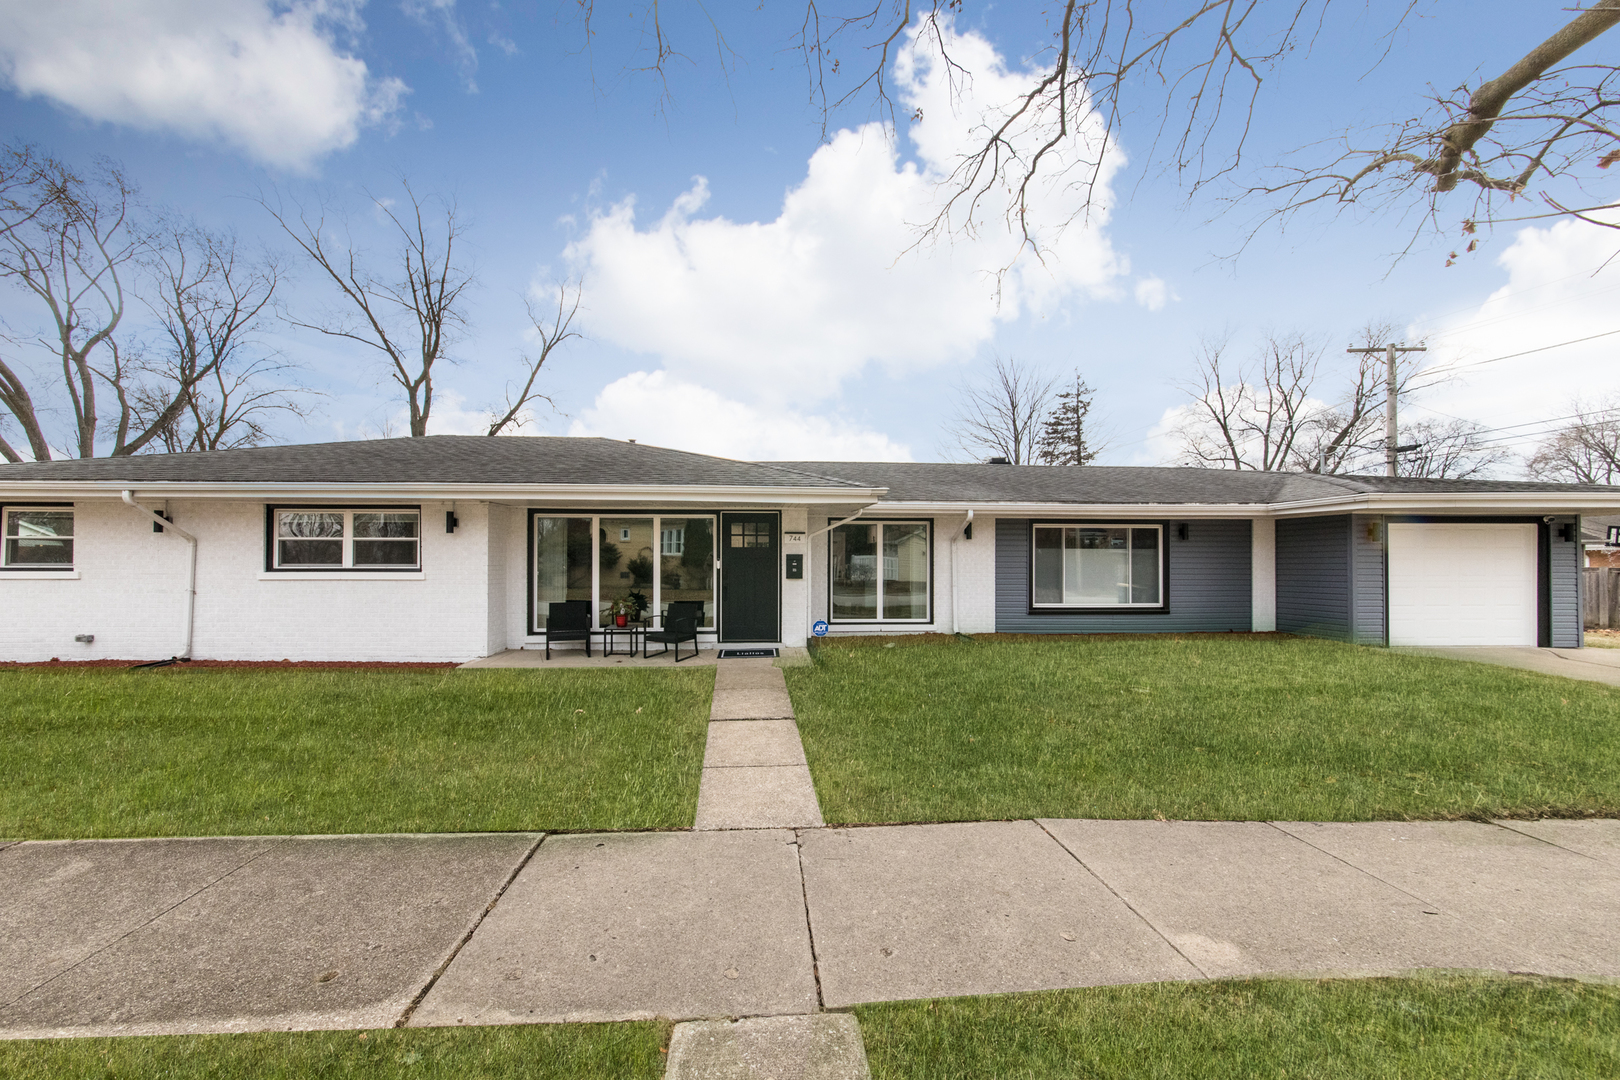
(957, 535)
(191, 566)
(559, 495)
(1472, 502)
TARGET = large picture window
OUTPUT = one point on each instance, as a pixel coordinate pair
(1099, 566)
(660, 560)
(880, 572)
(37, 538)
(328, 539)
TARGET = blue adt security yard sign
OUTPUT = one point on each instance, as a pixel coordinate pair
(820, 628)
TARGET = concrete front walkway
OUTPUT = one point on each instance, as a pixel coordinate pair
(1589, 665)
(754, 771)
(127, 937)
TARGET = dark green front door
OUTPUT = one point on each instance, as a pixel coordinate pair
(749, 590)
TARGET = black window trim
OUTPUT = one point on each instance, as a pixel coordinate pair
(270, 510)
(1165, 538)
(932, 575)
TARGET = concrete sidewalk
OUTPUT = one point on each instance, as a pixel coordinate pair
(127, 937)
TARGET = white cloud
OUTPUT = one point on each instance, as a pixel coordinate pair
(1152, 292)
(265, 76)
(442, 13)
(1551, 296)
(657, 408)
(787, 310)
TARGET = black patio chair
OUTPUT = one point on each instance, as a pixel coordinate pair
(569, 620)
(680, 624)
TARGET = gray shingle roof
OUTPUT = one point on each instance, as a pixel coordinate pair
(466, 459)
(437, 459)
(945, 483)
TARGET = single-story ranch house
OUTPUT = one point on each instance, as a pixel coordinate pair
(452, 548)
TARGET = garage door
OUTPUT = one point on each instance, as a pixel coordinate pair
(1462, 585)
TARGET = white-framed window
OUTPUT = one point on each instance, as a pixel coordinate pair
(37, 538)
(326, 538)
(672, 540)
(881, 572)
(1097, 566)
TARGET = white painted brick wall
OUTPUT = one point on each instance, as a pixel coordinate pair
(130, 594)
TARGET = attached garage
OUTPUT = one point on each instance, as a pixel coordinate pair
(1463, 584)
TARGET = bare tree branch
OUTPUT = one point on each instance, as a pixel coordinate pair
(552, 331)
(413, 318)
(1587, 451)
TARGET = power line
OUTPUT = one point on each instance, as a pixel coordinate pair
(1510, 356)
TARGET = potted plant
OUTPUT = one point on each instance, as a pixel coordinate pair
(620, 609)
(638, 603)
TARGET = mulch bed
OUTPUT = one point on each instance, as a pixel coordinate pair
(365, 664)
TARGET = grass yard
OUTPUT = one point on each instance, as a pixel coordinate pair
(1436, 1028)
(1213, 728)
(540, 1052)
(217, 752)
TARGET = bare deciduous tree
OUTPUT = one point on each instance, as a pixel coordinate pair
(1003, 415)
(1271, 414)
(413, 312)
(1587, 451)
(1449, 450)
(69, 239)
(551, 330)
(209, 389)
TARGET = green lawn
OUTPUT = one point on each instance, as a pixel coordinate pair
(175, 752)
(540, 1052)
(1197, 727)
(1440, 1028)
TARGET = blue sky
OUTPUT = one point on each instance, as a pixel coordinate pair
(745, 287)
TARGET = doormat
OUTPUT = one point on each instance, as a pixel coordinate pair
(743, 654)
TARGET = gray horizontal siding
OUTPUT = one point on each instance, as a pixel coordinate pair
(1564, 584)
(1314, 576)
(1368, 580)
(1209, 585)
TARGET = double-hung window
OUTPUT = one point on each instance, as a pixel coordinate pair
(323, 538)
(37, 538)
(880, 572)
(1098, 566)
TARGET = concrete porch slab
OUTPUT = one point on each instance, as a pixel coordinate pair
(318, 932)
(734, 743)
(634, 926)
(1560, 908)
(576, 658)
(62, 901)
(751, 704)
(1245, 898)
(1598, 838)
(919, 911)
(826, 1046)
(757, 797)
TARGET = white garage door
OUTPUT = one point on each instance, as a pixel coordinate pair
(1462, 585)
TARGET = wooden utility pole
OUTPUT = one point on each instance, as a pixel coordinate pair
(1391, 352)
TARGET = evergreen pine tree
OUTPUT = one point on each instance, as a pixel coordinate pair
(1063, 436)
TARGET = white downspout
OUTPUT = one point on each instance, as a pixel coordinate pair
(957, 535)
(191, 565)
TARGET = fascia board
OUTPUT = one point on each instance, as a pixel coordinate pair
(1187, 511)
(1481, 502)
(550, 494)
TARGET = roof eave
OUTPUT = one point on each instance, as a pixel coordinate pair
(1455, 502)
(562, 495)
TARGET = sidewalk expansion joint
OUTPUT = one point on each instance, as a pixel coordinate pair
(198, 891)
(809, 926)
(1507, 825)
(1149, 923)
(455, 950)
(1424, 900)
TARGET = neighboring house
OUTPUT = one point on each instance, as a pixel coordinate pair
(451, 548)
(1601, 538)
